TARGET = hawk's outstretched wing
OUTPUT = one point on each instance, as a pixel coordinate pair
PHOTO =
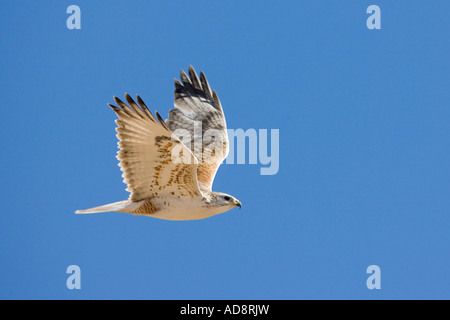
(150, 167)
(198, 115)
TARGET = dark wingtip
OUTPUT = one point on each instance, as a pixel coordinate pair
(114, 107)
(129, 99)
(118, 101)
(159, 116)
(161, 120)
(194, 78)
(184, 77)
(141, 102)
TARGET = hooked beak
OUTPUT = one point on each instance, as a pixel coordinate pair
(238, 204)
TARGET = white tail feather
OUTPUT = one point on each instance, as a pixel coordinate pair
(116, 206)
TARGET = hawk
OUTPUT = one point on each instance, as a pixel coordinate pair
(169, 166)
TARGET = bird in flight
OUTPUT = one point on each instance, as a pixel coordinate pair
(169, 166)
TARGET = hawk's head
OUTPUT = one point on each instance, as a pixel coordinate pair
(219, 199)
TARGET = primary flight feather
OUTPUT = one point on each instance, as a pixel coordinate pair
(169, 166)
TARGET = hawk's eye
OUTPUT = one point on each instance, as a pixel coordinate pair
(227, 198)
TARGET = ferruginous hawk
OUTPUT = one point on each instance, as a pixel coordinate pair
(169, 166)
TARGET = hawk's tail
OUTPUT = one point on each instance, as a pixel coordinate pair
(116, 206)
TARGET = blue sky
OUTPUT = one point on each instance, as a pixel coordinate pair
(364, 149)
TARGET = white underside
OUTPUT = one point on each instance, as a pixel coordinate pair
(176, 209)
(170, 208)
